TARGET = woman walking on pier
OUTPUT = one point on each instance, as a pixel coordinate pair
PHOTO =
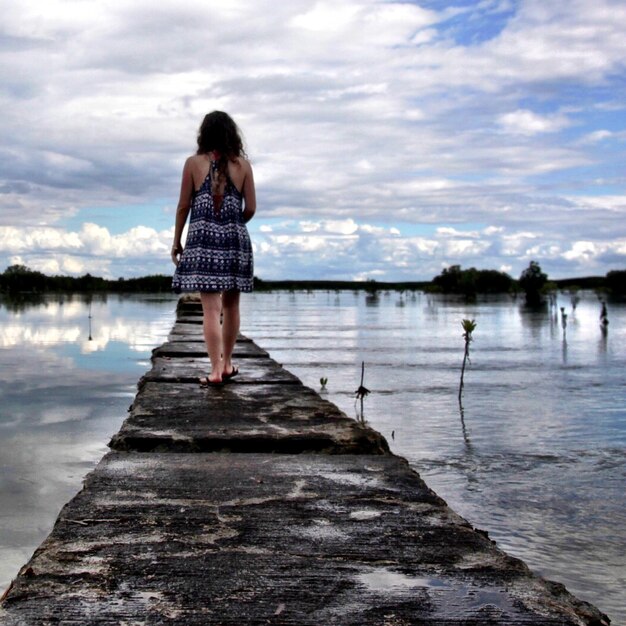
(218, 190)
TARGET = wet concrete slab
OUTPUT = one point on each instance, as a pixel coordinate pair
(241, 418)
(193, 332)
(190, 318)
(185, 348)
(189, 370)
(165, 538)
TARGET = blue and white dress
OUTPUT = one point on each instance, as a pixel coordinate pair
(218, 254)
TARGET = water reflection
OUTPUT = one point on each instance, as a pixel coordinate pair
(466, 438)
(65, 389)
(93, 327)
(372, 299)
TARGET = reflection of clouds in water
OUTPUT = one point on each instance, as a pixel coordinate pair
(30, 370)
(12, 335)
(135, 334)
(47, 471)
(58, 414)
(66, 309)
(63, 397)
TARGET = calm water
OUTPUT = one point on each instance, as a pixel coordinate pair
(538, 457)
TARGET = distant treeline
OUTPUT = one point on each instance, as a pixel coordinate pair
(368, 285)
(470, 282)
(452, 280)
(20, 279)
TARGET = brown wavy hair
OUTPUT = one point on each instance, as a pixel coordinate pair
(218, 132)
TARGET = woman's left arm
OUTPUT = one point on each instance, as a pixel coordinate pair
(182, 211)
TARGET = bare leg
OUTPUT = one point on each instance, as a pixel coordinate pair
(230, 329)
(211, 309)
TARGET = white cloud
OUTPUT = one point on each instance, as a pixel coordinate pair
(525, 122)
(581, 251)
(138, 241)
(326, 16)
(516, 244)
(447, 231)
(492, 230)
(18, 240)
(596, 136)
(610, 203)
(462, 248)
(91, 249)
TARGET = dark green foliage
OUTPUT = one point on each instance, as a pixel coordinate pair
(454, 280)
(471, 281)
(370, 286)
(616, 282)
(532, 282)
(21, 279)
(585, 282)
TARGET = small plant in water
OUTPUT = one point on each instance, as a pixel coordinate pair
(563, 320)
(604, 315)
(468, 328)
(362, 391)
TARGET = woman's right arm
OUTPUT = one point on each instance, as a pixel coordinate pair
(182, 211)
(249, 194)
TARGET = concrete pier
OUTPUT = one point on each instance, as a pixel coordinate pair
(261, 503)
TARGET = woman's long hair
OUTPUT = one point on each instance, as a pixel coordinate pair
(218, 132)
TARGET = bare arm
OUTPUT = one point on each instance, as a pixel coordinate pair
(249, 194)
(182, 211)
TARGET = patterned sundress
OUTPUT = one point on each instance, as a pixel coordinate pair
(218, 254)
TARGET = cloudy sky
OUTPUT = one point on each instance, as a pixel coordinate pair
(388, 139)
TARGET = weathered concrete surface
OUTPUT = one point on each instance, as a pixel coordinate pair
(185, 331)
(241, 418)
(256, 370)
(273, 539)
(196, 348)
(190, 318)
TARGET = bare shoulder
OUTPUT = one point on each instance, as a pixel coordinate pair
(196, 160)
(242, 164)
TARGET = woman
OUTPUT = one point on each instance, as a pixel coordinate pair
(217, 184)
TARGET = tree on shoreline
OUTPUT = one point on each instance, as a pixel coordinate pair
(532, 281)
(616, 282)
(470, 282)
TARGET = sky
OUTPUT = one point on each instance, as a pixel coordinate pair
(389, 140)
